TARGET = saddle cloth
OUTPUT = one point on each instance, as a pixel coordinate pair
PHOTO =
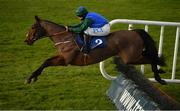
(95, 41)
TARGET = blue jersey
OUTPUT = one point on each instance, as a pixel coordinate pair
(97, 20)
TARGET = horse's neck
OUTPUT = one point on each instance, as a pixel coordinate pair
(52, 31)
(52, 28)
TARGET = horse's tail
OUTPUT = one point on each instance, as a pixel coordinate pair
(150, 47)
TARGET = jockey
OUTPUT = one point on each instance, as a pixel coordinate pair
(92, 24)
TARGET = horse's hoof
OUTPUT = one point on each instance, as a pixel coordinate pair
(34, 79)
(163, 82)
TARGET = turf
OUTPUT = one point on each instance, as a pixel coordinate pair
(70, 87)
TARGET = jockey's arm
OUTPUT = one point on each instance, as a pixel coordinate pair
(75, 26)
(81, 27)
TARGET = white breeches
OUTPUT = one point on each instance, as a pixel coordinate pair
(103, 31)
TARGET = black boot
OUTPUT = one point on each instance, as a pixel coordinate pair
(86, 48)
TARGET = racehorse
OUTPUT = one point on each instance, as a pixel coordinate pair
(132, 47)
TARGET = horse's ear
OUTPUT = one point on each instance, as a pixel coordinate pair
(37, 18)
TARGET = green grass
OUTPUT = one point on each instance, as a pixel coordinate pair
(69, 87)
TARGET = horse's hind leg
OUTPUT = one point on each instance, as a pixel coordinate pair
(156, 74)
(53, 61)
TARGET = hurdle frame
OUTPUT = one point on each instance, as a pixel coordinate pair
(146, 23)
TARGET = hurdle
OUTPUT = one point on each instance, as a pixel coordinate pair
(146, 24)
(132, 91)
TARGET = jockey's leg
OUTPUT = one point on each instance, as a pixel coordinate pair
(53, 61)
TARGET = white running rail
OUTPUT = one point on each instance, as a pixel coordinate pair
(146, 24)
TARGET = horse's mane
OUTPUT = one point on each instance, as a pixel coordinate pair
(62, 26)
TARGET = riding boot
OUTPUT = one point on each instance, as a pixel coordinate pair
(86, 48)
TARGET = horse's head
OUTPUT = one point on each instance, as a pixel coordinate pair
(36, 32)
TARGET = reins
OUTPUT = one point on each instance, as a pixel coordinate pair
(58, 33)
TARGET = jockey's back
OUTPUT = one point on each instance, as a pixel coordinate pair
(97, 20)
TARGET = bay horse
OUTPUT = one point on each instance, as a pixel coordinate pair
(132, 47)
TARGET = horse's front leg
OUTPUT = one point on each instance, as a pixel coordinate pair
(53, 61)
